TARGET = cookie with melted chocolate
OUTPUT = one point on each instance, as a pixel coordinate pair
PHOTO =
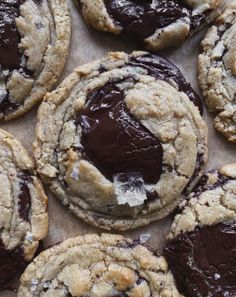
(156, 23)
(125, 140)
(98, 265)
(201, 245)
(217, 71)
(34, 41)
(23, 207)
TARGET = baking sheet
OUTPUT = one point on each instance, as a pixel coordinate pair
(87, 45)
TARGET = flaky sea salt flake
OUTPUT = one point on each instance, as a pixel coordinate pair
(75, 173)
(29, 236)
(129, 188)
(47, 285)
(144, 237)
(34, 284)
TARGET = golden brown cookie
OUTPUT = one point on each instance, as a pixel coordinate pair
(34, 42)
(217, 71)
(156, 23)
(101, 266)
(121, 139)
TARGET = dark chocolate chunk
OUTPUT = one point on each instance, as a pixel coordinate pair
(140, 19)
(8, 288)
(24, 204)
(10, 56)
(203, 185)
(163, 69)
(203, 262)
(11, 262)
(114, 140)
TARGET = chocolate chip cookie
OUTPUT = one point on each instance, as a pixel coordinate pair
(34, 41)
(156, 23)
(217, 71)
(102, 266)
(121, 139)
(201, 245)
(23, 208)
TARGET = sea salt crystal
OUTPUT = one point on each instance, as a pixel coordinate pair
(5, 72)
(77, 141)
(144, 237)
(129, 188)
(75, 173)
(216, 276)
(47, 285)
(34, 281)
(29, 236)
(221, 27)
(34, 284)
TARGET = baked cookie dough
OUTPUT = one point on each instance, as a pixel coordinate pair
(120, 140)
(217, 71)
(101, 266)
(156, 23)
(201, 244)
(23, 208)
(34, 42)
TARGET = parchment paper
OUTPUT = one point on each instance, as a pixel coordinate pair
(87, 45)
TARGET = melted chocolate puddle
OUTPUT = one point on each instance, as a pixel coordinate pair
(163, 69)
(111, 150)
(114, 140)
(10, 263)
(204, 261)
(10, 56)
(140, 20)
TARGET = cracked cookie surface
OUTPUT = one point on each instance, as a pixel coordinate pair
(217, 71)
(101, 266)
(201, 244)
(112, 140)
(158, 24)
(23, 207)
(33, 48)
